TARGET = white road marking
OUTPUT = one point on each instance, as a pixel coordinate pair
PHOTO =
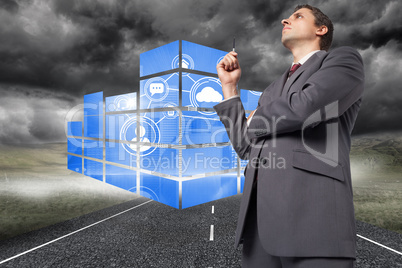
(64, 236)
(213, 207)
(400, 253)
(211, 235)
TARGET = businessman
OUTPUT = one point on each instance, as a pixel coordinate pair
(299, 213)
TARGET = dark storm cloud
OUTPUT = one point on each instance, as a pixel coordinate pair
(9, 5)
(77, 47)
(30, 115)
(381, 109)
(363, 25)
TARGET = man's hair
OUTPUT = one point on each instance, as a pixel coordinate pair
(321, 19)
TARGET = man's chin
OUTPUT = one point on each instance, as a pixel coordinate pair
(286, 43)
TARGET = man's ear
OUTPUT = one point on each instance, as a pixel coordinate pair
(322, 30)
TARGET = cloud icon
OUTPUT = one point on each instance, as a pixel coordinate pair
(208, 94)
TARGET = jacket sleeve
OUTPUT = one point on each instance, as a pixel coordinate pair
(338, 83)
(233, 117)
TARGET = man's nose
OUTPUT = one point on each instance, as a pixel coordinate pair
(285, 22)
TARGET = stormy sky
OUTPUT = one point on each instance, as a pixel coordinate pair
(54, 52)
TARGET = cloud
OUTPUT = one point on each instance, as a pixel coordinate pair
(208, 94)
(29, 117)
(9, 5)
(76, 47)
(381, 109)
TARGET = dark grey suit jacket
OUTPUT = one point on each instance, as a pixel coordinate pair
(299, 142)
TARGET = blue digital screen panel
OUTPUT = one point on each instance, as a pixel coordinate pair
(200, 129)
(160, 127)
(202, 190)
(93, 126)
(74, 163)
(121, 153)
(200, 58)
(93, 169)
(165, 191)
(93, 149)
(204, 160)
(93, 104)
(242, 179)
(162, 160)
(243, 163)
(160, 92)
(121, 177)
(249, 98)
(121, 103)
(74, 128)
(121, 127)
(74, 146)
(201, 91)
(160, 59)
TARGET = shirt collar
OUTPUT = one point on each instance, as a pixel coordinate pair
(305, 58)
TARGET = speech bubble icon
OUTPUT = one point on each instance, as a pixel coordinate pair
(156, 88)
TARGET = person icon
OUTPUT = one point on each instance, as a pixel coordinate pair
(143, 138)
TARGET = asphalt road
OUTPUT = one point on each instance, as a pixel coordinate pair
(144, 233)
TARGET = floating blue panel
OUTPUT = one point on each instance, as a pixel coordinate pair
(160, 189)
(249, 98)
(74, 163)
(93, 169)
(201, 91)
(162, 160)
(121, 127)
(121, 153)
(204, 160)
(74, 146)
(160, 59)
(93, 149)
(160, 127)
(74, 128)
(242, 179)
(124, 102)
(200, 58)
(160, 92)
(93, 126)
(243, 163)
(202, 190)
(199, 129)
(93, 104)
(121, 177)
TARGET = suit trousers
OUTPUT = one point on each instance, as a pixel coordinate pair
(254, 255)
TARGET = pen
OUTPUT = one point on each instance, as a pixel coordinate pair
(234, 43)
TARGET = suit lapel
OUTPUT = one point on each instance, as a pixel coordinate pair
(276, 93)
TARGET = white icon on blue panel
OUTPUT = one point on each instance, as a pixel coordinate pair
(170, 114)
(156, 89)
(205, 90)
(149, 132)
(124, 103)
(187, 62)
(208, 94)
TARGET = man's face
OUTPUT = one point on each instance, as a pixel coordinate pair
(299, 28)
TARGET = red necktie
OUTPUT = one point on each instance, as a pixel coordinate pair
(294, 68)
